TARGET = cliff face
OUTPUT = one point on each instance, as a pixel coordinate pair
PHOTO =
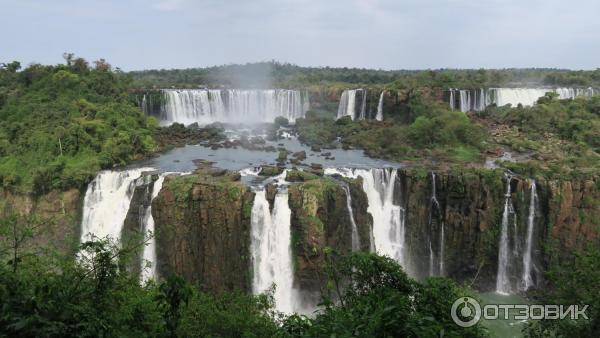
(574, 214)
(471, 206)
(133, 231)
(470, 212)
(320, 219)
(202, 225)
(58, 215)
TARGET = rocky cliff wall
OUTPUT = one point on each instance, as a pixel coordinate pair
(202, 225)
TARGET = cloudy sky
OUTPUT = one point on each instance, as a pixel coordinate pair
(387, 34)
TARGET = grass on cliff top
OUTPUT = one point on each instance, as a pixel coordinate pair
(182, 185)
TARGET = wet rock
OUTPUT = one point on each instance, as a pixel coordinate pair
(268, 170)
(316, 166)
(282, 158)
(202, 163)
(257, 140)
(300, 176)
(300, 156)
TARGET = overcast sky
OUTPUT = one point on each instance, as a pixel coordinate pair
(387, 34)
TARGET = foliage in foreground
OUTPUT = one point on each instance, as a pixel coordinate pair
(574, 282)
(379, 300)
(94, 296)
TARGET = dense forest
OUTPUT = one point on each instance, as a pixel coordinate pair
(285, 75)
(61, 124)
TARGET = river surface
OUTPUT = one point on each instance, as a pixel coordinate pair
(503, 328)
(182, 159)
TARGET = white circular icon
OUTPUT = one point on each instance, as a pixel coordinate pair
(470, 312)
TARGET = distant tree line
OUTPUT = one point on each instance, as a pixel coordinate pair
(276, 74)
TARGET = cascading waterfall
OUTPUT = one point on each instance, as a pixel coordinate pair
(479, 99)
(442, 251)
(148, 269)
(271, 250)
(435, 206)
(363, 106)
(232, 105)
(431, 260)
(388, 217)
(503, 285)
(355, 236)
(106, 203)
(347, 105)
(379, 116)
(465, 100)
(527, 280)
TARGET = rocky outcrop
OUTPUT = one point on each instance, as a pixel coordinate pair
(55, 216)
(471, 203)
(320, 220)
(574, 213)
(133, 233)
(202, 225)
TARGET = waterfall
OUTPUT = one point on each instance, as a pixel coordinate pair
(363, 106)
(479, 99)
(232, 105)
(343, 106)
(347, 105)
(388, 217)
(351, 104)
(442, 250)
(435, 206)
(431, 260)
(502, 278)
(465, 100)
(379, 116)
(271, 251)
(144, 105)
(527, 280)
(355, 236)
(148, 270)
(106, 203)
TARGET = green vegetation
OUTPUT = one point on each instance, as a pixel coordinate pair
(57, 296)
(424, 129)
(573, 282)
(60, 124)
(275, 74)
(560, 136)
(378, 302)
